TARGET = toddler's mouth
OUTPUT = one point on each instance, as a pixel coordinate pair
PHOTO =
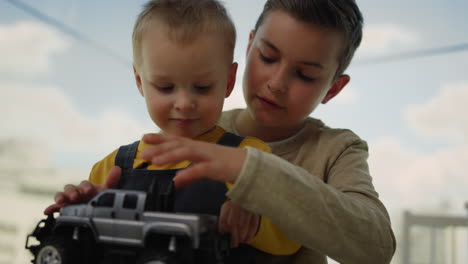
(183, 121)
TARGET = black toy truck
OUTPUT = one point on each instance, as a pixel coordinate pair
(117, 227)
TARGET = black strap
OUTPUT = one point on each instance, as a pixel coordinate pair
(126, 155)
(230, 140)
(124, 160)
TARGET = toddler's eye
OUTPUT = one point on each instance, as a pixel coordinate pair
(165, 89)
(266, 59)
(202, 88)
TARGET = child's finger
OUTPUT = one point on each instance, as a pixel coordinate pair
(60, 198)
(243, 224)
(113, 178)
(233, 223)
(52, 208)
(162, 148)
(191, 174)
(163, 144)
(253, 228)
(71, 193)
(174, 152)
(87, 190)
(223, 216)
(234, 236)
(203, 170)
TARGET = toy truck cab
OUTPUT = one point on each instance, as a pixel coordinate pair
(116, 224)
(115, 216)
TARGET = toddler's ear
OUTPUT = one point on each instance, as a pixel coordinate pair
(231, 79)
(138, 80)
(336, 88)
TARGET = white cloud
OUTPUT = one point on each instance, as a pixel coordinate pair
(46, 116)
(26, 46)
(386, 37)
(412, 179)
(16, 153)
(408, 179)
(444, 116)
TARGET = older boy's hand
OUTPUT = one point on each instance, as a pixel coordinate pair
(242, 224)
(208, 160)
(83, 192)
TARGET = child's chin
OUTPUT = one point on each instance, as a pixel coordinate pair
(186, 134)
(266, 118)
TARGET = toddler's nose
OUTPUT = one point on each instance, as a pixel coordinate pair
(185, 102)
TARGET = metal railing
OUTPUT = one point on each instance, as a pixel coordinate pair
(435, 225)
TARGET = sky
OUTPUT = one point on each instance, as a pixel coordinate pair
(68, 96)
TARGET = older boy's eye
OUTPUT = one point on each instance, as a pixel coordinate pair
(305, 78)
(265, 58)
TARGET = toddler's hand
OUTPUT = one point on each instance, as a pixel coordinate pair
(242, 224)
(83, 192)
(209, 161)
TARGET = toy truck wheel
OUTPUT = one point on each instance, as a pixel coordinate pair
(157, 257)
(54, 250)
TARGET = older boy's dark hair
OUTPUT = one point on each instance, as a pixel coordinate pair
(341, 15)
(185, 20)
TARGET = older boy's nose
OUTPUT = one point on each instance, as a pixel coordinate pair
(278, 82)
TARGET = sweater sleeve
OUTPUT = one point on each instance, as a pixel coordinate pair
(340, 217)
(269, 237)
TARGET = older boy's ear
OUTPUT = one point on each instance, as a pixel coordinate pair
(231, 79)
(249, 44)
(138, 80)
(336, 88)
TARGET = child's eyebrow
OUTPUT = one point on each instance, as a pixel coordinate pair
(269, 44)
(308, 63)
(160, 77)
(204, 74)
(311, 63)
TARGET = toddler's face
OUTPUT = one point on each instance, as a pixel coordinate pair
(184, 84)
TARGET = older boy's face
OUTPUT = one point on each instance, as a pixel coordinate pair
(290, 70)
(184, 84)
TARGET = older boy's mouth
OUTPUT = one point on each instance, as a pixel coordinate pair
(269, 103)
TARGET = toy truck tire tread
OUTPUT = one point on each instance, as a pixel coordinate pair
(156, 257)
(56, 249)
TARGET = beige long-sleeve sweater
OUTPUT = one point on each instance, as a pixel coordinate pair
(318, 190)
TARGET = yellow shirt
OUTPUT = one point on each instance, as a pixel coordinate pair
(269, 238)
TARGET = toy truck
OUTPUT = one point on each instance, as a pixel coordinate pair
(116, 226)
